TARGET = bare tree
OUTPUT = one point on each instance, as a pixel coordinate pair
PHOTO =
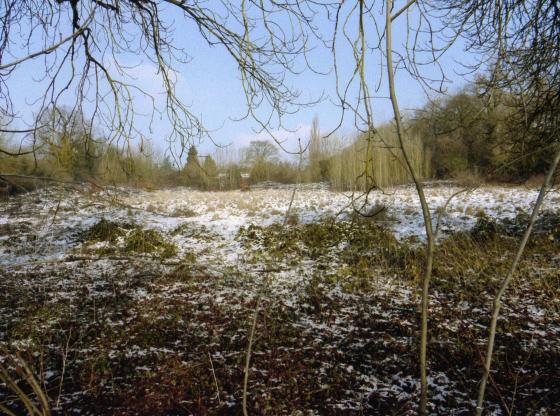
(372, 34)
(518, 43)
(522, 39)
(82, 45)
(260, 151)
(430, 245)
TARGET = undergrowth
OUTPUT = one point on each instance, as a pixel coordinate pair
(149, 241)
(468, 265)
(342, 340)
(105, 230)
(127, 238)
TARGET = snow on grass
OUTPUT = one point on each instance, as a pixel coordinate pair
(225, 212)
(47, 223)
(327, 342)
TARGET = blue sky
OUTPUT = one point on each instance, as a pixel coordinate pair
(210, 85)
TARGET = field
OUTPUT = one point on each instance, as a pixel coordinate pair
(127, 302)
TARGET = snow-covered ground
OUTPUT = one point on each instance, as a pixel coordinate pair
(45, 260)
(225, 212)
(53, 218)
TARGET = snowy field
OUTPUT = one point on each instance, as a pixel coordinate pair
(119, 320)
(50, 220)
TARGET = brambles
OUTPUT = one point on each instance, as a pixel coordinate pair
(547, 225)
(329, 336)
(127, 238)
(106, 230)
(149, 241)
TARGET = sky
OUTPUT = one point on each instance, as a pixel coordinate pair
(209, 83)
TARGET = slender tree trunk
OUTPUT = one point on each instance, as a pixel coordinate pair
(497, 304)
(430, 241)
(298, 181)
(249, 351)
(248, 355)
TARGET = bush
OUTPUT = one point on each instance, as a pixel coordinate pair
(149, 241)
(106, 230)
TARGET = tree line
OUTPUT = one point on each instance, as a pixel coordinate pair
(466, 134)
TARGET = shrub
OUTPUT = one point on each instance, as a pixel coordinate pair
(106, 230)
(149, 241)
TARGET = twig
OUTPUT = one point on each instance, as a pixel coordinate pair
(250, 345)
(36, 387)
(430, 243)
(64, 358)
(248, 356)
(287, 215)
(52, 48)
(215, 379)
